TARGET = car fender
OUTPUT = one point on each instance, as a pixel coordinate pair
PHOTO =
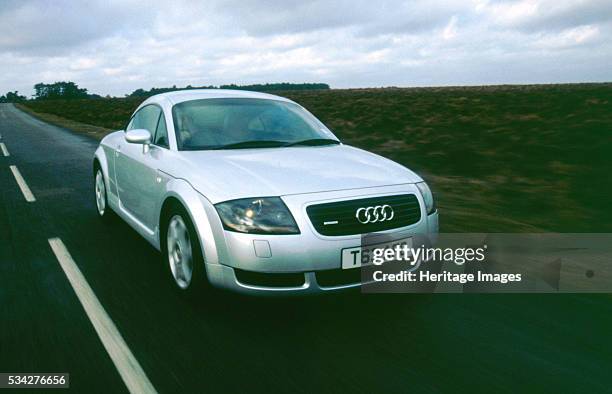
(201, 212)
(101, 158)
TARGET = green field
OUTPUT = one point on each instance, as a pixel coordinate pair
(500, 158)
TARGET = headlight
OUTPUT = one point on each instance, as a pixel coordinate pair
(266, 215)
(430, 203)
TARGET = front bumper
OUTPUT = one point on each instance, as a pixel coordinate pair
(225, 277)
(303, 263)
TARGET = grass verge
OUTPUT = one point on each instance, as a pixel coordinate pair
(96, 132)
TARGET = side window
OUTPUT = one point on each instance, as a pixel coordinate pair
(161, 135)
(145, 118)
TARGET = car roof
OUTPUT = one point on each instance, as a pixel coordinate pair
(180, 96)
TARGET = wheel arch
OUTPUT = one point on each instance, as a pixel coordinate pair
(100, 162)
(169, 203)
(96, 165)
(198, 208)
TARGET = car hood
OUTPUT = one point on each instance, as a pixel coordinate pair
(222, 175)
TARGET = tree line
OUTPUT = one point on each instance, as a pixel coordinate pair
(70, 90)
(50, 91)
(267, 87)
(12, 97)
(59, 90)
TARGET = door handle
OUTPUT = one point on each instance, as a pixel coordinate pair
(117, 151)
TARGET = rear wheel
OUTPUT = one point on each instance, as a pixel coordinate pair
(181, 249)
(103, 209)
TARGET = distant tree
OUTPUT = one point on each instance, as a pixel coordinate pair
(138, 93)
(154, 91)
(12, 97)
(59, 90)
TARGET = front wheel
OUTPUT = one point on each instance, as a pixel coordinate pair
(181, 249)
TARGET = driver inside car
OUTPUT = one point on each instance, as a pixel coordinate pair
(236, 128)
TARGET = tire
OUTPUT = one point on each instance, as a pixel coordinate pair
(182, 253)
(101, 196)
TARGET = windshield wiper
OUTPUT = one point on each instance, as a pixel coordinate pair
(314, 142)
(251, 144)
(274, 144)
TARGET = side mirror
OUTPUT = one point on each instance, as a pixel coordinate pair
(139, 136)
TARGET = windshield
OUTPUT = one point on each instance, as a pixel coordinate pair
(234, 123)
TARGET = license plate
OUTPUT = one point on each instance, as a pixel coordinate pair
(363, 255)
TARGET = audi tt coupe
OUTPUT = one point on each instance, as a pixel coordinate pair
(250, 192)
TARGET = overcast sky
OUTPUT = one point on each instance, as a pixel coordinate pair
(114, 47)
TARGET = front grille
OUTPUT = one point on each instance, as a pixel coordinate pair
(405, 207)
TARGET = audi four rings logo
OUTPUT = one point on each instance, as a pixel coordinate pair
(379, 213)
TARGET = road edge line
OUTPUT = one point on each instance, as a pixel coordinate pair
(128, 367)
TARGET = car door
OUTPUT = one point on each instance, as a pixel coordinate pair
(159, 156)
(136, 169)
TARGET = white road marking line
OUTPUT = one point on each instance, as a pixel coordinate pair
(128, 367)
(4, 150)
(25, 190)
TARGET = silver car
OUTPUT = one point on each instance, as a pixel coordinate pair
(250, 192)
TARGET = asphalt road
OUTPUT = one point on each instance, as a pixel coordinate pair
(227, 343)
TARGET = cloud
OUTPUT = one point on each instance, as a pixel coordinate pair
(450, 31)
(265, 17)
(541, 15)
(114, 47)
(573, 37)
(53, 27)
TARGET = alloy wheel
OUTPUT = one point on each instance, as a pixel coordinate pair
(100, 193)
(180, 254)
